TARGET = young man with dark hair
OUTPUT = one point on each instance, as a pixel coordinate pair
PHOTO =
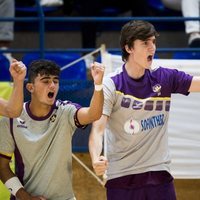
(41, 137)
(135, 117)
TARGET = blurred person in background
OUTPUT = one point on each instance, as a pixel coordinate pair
(189, 8)
(7, 9)
(89, 8)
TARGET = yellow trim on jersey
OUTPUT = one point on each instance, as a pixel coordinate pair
(6, 154)
(149, 98)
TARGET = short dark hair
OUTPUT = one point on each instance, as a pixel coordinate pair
(133, 30)
(42, 67)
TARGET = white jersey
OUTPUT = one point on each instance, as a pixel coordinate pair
(138, 111)
(43, 149)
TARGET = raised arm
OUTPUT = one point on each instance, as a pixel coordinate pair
(89, 114)
(195, 85)
(99, 162)
(13, 107)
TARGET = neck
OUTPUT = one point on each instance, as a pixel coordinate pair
(39, 110)
(134, 71)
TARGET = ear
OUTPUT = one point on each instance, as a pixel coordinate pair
(128, 49)
(29, 87)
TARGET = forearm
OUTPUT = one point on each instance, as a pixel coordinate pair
(22, 194)
(96, 105)
(7, 175)
(15, 103)
(87, 115)
(195, 84)
(95, 146)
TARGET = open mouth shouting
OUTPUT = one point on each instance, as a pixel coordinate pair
(150, 58)
(51, 95)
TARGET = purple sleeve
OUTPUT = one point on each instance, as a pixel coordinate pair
(181, 82)
(175, 81)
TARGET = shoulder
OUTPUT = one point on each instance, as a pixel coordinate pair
(4, 122)
(66, 104)
(109, 78)
(165, 71)
(62, 103)
(4, 119)
(117, 71)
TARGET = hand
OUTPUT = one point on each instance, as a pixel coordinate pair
(22, 194)
(17, 70)
(97, 71)
(100, 165)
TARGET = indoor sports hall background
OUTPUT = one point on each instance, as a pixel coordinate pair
(46, 33)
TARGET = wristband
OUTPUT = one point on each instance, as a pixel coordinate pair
(13, 184)
(98, 87)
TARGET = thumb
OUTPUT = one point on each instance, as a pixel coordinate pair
(102, 158)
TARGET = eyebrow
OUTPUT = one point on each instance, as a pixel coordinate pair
(150, 38)
(48, 77)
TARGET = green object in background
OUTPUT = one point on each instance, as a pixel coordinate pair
(4, 193)
(6, 89)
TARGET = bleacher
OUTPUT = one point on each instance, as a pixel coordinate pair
(43, 20)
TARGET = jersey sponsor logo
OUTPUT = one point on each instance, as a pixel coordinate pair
(152, 122)
(132, 126)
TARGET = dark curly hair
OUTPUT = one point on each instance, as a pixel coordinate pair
(42, 67)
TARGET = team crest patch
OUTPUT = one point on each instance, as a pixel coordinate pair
(157, 89)
(53, 118)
